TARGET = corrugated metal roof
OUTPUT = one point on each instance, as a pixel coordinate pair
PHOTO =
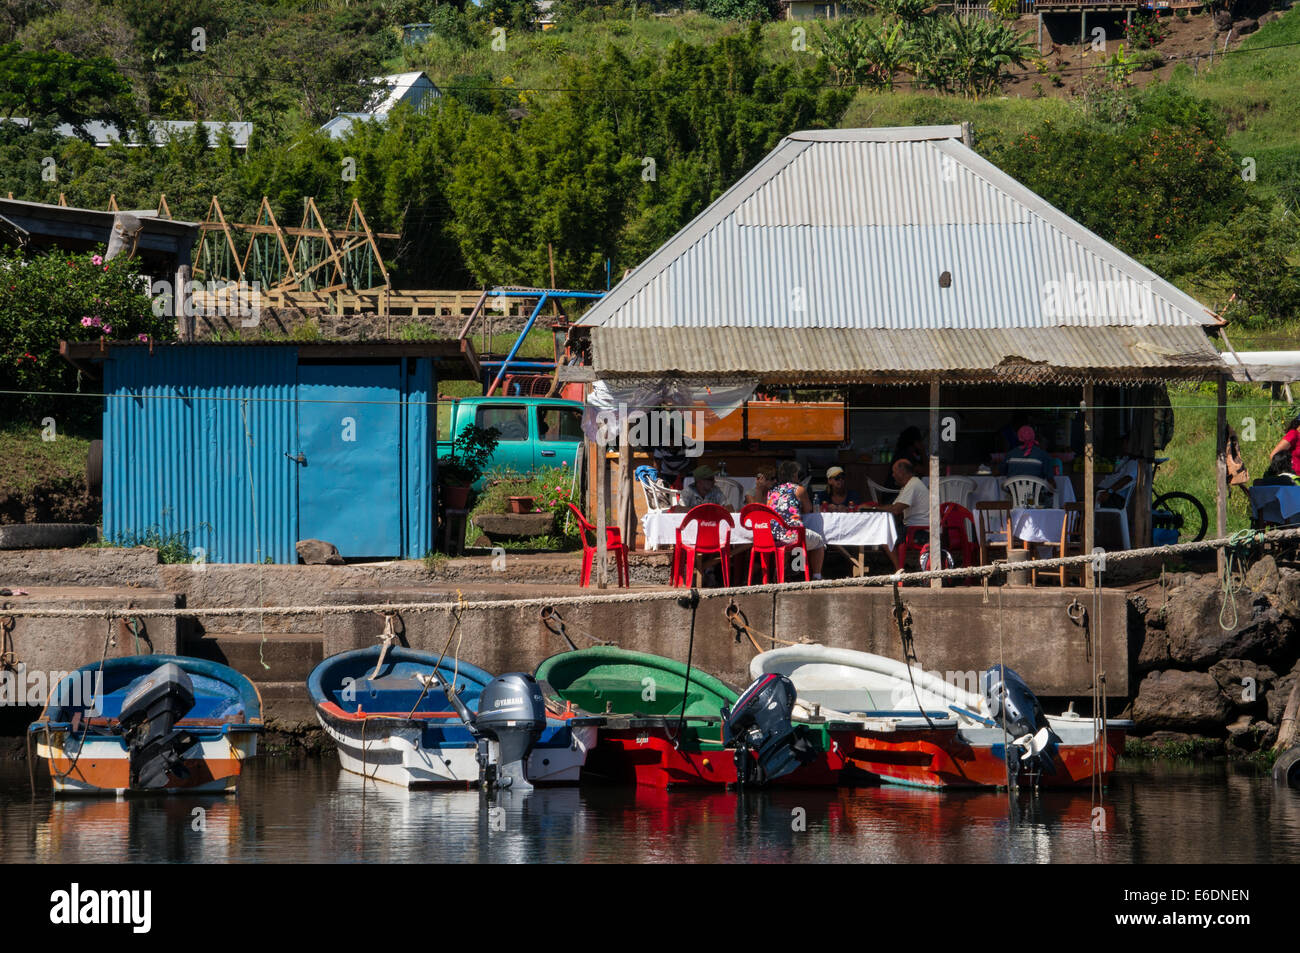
(847, 355)
(853, 229)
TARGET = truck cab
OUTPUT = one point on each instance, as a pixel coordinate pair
(536, 432)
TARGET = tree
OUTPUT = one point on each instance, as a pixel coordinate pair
(52, 87)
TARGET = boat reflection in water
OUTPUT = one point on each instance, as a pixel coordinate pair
(199, 829)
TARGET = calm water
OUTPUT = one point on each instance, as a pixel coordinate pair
(308, 810)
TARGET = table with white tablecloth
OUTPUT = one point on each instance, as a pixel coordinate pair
(842, 530)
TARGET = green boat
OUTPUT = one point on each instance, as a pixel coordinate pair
(648, 738)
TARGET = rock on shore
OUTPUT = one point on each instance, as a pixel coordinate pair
(1218, 668)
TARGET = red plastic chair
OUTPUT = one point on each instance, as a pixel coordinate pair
(758, 519)
(708, 519)
(911, 538)
(954, 519)
(613, 544)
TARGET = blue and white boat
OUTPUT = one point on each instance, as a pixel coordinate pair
(149, 723)
(391, 720)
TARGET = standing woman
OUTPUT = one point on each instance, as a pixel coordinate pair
(1290, 443)
(790, 499)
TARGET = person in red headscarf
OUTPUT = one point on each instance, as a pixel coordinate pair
(1028, 458)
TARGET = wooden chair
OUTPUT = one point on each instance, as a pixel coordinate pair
(758, 519)
(1071, 545)
(1028, 491)
(994, 521)
(709, 518)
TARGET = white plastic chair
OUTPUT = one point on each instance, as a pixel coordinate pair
(657, 496)
(956, 490)
(880, 494)
(733, 490)
(1029, 491)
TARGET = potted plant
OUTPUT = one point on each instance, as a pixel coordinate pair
(522, 504)
(459, 470)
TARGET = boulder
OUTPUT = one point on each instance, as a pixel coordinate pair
(1263, 577)
(1288, 592)
(1196, 637)
(1180, 701)
(1277, 697)
(317, 552)
(1222, 20)
(1270, 17)
(1243, 682)
(1242, 27)
(1247, 735)
(1154, 649)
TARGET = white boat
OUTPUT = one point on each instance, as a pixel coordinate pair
(909, 726)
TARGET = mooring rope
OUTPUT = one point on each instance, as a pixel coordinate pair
(654, 595)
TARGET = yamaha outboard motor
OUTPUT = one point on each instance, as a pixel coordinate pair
(511, 718)
(148, 723)
(760, 723)
(1012, 704)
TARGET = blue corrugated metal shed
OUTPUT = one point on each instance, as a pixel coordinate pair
(245, 449)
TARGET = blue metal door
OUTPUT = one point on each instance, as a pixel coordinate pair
(350, 457)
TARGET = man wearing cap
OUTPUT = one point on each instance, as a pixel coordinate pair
(838, 497)
(703, 490)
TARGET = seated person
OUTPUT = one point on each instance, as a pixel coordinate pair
(1042, 466)
(913, 503)
(1113, 492)
(764, 480)
(790, 500)
(1289, 444)
(838, 498)
(704, 489)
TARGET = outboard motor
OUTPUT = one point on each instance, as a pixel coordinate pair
(511, 718)
(148, 723)
(1010, 702)
(760, 723)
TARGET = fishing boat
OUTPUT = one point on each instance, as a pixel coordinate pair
(907, 726)
(668, 725)
(149, 723)
(405, 717)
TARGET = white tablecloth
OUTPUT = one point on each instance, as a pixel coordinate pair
(838, 529)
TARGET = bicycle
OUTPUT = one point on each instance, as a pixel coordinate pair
(1176, 510)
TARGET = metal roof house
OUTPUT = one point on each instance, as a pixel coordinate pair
(897, 255)
(874, 259)
(244, 449)
(414, 89)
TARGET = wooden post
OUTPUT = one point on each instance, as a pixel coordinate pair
(626, 505)
(1221, 466)
(936, 542)
(1040, 32)
(602, 501)
(1083, 30)
(1089, 486)
(1142, 446)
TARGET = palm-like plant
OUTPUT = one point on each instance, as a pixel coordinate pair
(862, 55)
(966, 56)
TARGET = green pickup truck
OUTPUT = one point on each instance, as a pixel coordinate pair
(536, 432)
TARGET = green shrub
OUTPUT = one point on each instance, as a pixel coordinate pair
(58, 296)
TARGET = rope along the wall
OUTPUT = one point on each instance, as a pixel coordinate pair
(658, 595)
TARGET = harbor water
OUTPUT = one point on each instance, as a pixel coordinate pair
(291, 810)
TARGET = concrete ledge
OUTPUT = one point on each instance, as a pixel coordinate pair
(95, 566)
(954, 630)
(46, 535)
(67, 644)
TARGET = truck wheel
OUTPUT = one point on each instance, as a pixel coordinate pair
(95, 467)
(1286, 769)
